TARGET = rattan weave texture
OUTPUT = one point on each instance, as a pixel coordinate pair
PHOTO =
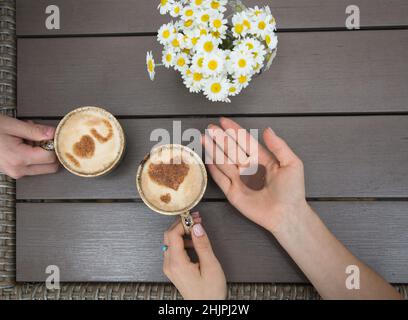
(96, 291)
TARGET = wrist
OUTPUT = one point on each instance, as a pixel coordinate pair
(292, 219)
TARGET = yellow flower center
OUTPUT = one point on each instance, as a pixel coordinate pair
(215, 4)
(197, 76)
(166, 34)
(217, 23)
(205, 18)
(150, 66)
(163, 2)
(262, 25)
(208, 46)
(242, 79)
(175, 43)
(268, 39)
(198, 2)
(216, 88)
(194, 41)
(239, 28)
(216, 34)
(213, 65)
(242, 63)
(232, 89)
(247, 24)
(168, 57)
(203, 32)
(188, 23)
(189, 12)
(186, 51)
(200, 62)
(181, 62)
(176, 10)
(249, 45)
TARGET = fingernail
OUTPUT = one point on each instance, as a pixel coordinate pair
(196, 214)
(198, 230)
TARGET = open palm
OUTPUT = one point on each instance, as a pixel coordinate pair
(284, 187)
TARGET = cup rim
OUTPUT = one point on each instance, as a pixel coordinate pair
(112, 118)
(191, 206)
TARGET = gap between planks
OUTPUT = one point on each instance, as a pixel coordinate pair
(154, 34)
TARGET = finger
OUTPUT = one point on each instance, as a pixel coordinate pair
(38, 169)
(196, 217)
(228, 145)
(203, 248)
(29, 131)
(279, 148)
(220, 179)
(220, 160)
(246, 141)
(175, 239)
(37, 155)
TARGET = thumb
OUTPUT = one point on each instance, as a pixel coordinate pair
(29, 131)
(202, 246)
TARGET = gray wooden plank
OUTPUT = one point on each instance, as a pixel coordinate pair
(121, 242)
(134, 16)
(363, 156)
(322, 72)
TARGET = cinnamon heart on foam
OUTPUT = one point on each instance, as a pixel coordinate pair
(85, 148)
(169, 175)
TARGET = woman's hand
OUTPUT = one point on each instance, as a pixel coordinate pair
(204, 280)
(284, 190)
(17, 158)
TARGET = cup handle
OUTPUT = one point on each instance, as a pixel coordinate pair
(46, 145)
(187, 221)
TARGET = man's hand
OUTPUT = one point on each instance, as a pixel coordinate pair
(18, 157)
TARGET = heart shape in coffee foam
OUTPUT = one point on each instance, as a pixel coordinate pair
(169, 175)
(85, 148)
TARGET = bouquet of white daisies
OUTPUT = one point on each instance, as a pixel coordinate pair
(215, 54)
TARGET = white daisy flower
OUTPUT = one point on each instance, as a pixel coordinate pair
(255, 11)
(198, 61)
(175, 9)
(255, 47)
(241, 62)
(181, 62)
(234, 88)
(207, 44)
(177, 41)
(260, 25)
(168, 57)
(238, 28)
(271, 40)
(218, 23)
(164, 6)
(188, 13)
(201, 4)
(243, 80)
(219, 5)
(214, 63)
(216, 89)
(166, 33)
(194, 81)
(150, 65)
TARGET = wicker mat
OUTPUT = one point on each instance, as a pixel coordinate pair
(11, 290)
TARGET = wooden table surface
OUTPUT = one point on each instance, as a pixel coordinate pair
(338, 97)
